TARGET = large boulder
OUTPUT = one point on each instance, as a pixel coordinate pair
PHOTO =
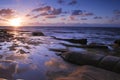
(109, 62)
(82, 59)
(102, 61)
(37, 34)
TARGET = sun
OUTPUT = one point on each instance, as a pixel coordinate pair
(16, 22)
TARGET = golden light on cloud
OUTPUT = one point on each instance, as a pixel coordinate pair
(15, 22)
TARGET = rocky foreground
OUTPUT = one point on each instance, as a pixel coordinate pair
(33, 56)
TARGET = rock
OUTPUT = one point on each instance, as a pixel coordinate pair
(33, 42)
(115, 48)
(3, 31)
(117, 67)
(21, 51)
(117, 43)
(94, 46)
(7, 69)
(109, 62)
(1, 56)
(90, 73)
(58, 50)
(102, 61)
(12, 48)
(79, 41)
(27, 47)
(82, 59)
(37, 34)
(72, 45)
(0, 48)
(97, 45)
(5, 36)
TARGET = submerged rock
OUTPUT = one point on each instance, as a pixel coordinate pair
(102, 61)
(37, 34)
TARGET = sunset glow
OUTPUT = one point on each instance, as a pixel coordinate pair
(16, 22)
(60, 12)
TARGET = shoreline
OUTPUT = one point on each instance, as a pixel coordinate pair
(28, 54)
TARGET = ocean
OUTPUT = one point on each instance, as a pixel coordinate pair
(105, 35)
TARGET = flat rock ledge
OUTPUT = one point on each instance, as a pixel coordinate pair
(90, 73)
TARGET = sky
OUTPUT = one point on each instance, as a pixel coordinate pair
(60, 12)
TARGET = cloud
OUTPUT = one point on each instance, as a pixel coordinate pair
(1, 19)
(63, 18)
(60, 1)
(6, 13)
(114, 20)
(45, 8)
(88, 14)
(44, 14)
(36, 16)
(83, 18)
(47, 12)
(56, 11)
(97, 17)
(77, 12)
(116, 12)
(73, 2)
(50, 16)
(81, 13)
(72, 18)
(28, 15)
(116, 17)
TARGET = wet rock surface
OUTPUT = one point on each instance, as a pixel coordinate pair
(5, 36)
(90, 73)
(7, 69)
(78, 41)
(94, 46)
